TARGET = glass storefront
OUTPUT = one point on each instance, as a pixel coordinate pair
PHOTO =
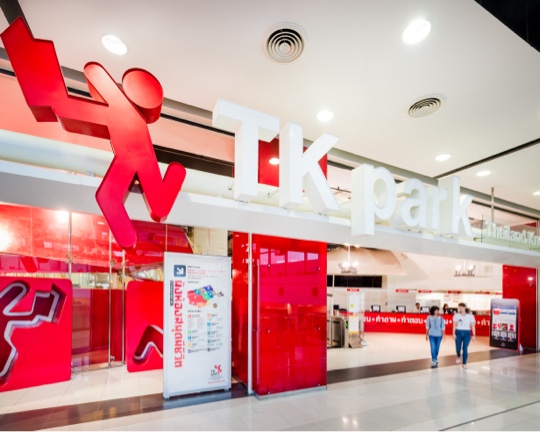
(37, 242)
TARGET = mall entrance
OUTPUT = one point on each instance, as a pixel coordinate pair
(378, 301)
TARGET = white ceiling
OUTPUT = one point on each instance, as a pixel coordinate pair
(355, 64)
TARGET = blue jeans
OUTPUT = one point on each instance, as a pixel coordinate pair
(463, 338)
(435, 342)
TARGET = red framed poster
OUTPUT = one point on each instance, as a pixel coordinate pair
(35, 331)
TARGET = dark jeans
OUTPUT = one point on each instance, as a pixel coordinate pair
(435, 342)
(463, 338)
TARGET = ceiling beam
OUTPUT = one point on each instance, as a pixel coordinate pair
(12, 10)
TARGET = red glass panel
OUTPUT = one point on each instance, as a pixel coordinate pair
(34, 232)
(289, 313)
(90, 240)
(520, 283)
(240, 307)
(153, 240)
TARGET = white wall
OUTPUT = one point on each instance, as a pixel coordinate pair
(208, 241)
(372, 296)
(437, 274)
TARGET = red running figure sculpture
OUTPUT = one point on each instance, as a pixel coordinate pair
(118, 114)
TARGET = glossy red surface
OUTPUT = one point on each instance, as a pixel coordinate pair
(385, 322)
(520, 283)
(268, 173)
(239, 310)
(289, 314)
(118, 114)
(90, 331)
(35, 332)
(144, 326)
(291, 322)
(36, 240)
(289, 304)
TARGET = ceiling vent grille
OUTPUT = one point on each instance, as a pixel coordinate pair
(425, 107)
(284, 43)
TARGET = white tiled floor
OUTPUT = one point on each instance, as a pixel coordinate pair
(394, 347)
(500, 394)
(84, 387)
(116, 383)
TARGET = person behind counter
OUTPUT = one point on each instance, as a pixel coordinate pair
(446, 309)
(464, 327)
(434, 333)
(417, 308)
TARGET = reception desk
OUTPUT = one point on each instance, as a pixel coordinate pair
(414, 323)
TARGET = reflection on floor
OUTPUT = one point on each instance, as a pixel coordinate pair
(394, 347)
(492, 395)
(107, 384)
(96, 385)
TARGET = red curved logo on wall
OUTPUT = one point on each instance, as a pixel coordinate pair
(35, 331)
(119, 114)
(144, 325)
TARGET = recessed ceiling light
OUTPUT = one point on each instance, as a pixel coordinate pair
(114, 44)
(537, 193)
(325, 116)
(443, 157)
(274, 161)
(483, 173)
(416, 31)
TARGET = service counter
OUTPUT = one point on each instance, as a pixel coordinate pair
(414, 323)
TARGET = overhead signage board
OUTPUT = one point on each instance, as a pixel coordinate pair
(375, 197)
(434, 209)
(525, 238)
(197, 324)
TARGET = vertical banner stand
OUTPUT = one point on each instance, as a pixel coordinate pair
(197, 324)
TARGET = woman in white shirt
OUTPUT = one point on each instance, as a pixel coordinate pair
(464, 327)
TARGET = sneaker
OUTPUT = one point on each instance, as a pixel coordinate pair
(464, 366)
(433, 364)
(458, 360)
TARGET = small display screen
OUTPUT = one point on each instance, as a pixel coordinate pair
(375, 308)
(401, 308)
(424, 309)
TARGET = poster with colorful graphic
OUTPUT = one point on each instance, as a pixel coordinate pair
(197, 324)
(504, 323)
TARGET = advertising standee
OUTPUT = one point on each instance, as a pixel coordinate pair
(197, 324)
(504, 324)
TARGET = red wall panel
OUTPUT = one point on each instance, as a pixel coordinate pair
(35, 331)
(520, 283)
(239, 325)
(144, 326)
(289, 304)
(290, 317)
(91, 326)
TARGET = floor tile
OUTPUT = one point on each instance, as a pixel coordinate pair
(189, 420)
(266, 421)
(154, 425)
(126, 420)
(229, 424)
(299, 415)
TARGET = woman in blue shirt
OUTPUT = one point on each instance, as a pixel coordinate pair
(434, 333)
